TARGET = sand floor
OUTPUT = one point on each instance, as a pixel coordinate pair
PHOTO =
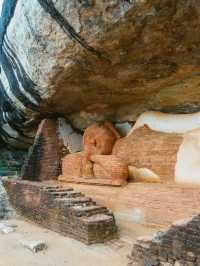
(61, 250)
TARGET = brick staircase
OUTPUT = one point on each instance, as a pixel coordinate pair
(62, 209)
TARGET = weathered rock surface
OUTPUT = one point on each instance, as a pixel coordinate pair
(96, 60)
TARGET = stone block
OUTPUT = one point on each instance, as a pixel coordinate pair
(34, 245)
(6, 229)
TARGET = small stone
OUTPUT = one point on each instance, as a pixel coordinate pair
(34, 245)
(158, 236)
(189, 263)
(171, 260)
(177, 263)
(191, 256)
(151, 261)
(86, 3)
(6, 229)
(166, 264)
(182, 222)
(145, 239)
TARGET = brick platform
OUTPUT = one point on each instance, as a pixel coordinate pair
(62, 209)
(161, 204)
(150, 149)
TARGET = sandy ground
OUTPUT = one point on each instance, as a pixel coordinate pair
(61, 250)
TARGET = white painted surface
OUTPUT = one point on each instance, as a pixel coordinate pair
(71, 139)
(169, 123)
(188, 159)
(143, 175)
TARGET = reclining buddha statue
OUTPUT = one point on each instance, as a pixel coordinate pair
(96, 161)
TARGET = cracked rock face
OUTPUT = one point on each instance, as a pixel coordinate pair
(89, 60)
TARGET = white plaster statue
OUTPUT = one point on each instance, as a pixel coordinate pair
(168, 123)
(188, 159)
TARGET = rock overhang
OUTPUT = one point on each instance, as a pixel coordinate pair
(97, 60)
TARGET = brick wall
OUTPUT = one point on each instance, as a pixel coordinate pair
(43, 162)
(154, 150)
(179, 246)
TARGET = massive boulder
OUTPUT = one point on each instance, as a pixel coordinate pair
(89, 60)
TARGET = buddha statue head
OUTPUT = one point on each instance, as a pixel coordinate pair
(99, 139)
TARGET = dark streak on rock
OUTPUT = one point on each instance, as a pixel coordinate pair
(20, 84)
(50, 8)
(7, 106)
(36, 36)
(23, 77)
(13, 81)
(12, 116)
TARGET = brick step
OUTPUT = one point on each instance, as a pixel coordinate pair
(83, 201)
(47, 187)
(52, 190)
(88, 210)
(97, 218)
(71, 194)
